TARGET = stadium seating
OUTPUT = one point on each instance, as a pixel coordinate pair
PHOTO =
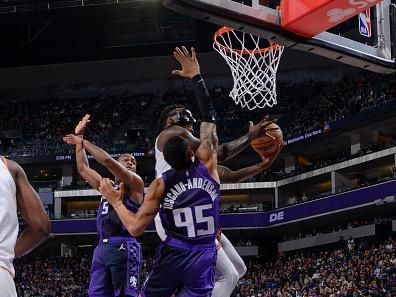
(365, 267)
(40, 133)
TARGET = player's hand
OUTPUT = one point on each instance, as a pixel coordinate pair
(79, 129)
(270, 159)
(189, 63)
(260, 128)
(112, 195)
(72, 139)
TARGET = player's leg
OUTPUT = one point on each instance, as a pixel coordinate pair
(198, 274)
(165, 276)
(7, 284)
(226, 275)
(233, 255)
(100, 280)
(123, 260)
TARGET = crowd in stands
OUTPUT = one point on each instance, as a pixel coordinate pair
(362, 267)
(40, 124)
(127, 121)
(52, 276)
(340, 100)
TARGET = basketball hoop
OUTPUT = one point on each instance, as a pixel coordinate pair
(254, 62)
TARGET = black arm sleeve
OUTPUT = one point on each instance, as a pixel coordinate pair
(205, 103)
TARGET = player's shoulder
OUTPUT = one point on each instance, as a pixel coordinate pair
(13, 167)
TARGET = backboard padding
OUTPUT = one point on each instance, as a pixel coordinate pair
(265, 22)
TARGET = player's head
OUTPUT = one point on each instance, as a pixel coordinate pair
(178, 153)
(177, 115)
(128, 161)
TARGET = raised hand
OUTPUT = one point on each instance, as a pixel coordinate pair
(189, 63)
(79, 129)
(72, 139)
(260, 128)
(113, 196)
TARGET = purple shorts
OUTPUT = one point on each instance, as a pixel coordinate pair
(186, 272)
(115, 268)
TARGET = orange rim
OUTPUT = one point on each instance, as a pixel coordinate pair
(273, 46)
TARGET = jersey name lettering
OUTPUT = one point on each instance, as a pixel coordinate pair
(192, 183)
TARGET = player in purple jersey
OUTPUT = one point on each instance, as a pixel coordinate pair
(187, 198)
(177, 120)
(116, 260)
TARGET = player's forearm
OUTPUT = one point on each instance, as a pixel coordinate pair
(199, 85)
(100, 155)
(243, 173)
(204, 100)
(81, 158)
(128, 219)
(230, 149)
(31, 238)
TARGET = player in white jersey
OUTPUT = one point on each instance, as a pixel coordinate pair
(176, 120)
(16, 194)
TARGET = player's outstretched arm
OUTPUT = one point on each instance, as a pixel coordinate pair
(32, 210)
(86, 172)
(115, 167)
(191, 69)
(137, 223)
(230, 176)
(230, 149)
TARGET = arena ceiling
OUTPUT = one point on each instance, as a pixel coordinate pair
(43, 32)
(92, 32)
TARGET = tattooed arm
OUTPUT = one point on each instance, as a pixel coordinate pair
(230, 176)
(207, 150)
(230, 149)
(137, 223)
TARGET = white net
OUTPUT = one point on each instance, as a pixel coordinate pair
(253, 67)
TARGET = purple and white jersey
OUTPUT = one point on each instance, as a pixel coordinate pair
(108, 223)
(190, 205)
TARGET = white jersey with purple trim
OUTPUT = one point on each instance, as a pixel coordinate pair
(8, 218)
(160, 167)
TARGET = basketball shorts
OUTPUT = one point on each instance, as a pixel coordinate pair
(185, 272)
(115, 268)
(7, 284)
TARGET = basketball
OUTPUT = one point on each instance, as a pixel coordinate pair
(269, 142)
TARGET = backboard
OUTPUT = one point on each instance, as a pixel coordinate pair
(276, 20)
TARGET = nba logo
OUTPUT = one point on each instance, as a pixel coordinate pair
(365, 23)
